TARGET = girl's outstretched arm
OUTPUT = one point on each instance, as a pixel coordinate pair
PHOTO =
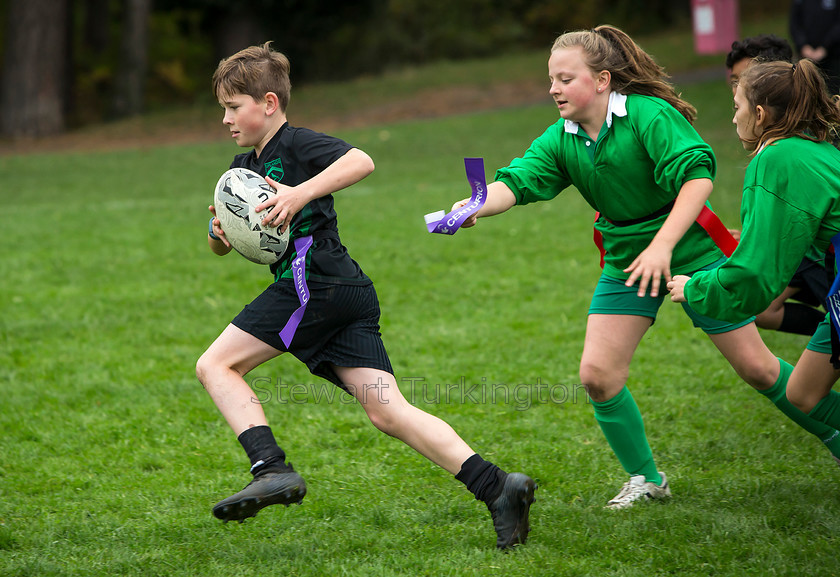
(499, 199)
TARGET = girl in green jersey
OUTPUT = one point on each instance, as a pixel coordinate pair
(625, 141)
(785, 116)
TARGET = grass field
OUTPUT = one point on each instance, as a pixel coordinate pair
(112, 454)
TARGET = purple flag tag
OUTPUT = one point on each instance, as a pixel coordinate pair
(299, 277)
(442, 223)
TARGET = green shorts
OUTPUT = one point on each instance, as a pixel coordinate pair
(613, 298)
(821, 341)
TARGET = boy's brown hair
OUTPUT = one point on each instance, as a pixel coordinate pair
(254, 72)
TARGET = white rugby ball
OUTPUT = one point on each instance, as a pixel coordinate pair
(238, 191)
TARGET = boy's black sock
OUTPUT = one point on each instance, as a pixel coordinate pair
(800, 319)
(482, 478)
(262, 450)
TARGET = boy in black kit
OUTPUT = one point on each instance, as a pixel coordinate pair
(338, 336)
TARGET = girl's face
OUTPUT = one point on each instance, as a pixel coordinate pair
(575, 88)
(745, 120)
(246, 119)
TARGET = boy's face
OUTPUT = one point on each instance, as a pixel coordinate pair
(737, 70)
(246, 119)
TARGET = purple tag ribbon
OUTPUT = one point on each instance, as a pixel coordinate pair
(832, 305)
(442, 223)
(299, 277)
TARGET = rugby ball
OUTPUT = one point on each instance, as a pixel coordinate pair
(238, 191)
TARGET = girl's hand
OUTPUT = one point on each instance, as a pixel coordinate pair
(473, 218)
(655, 261)
(283, 206)
(677, 288)
(649, 267)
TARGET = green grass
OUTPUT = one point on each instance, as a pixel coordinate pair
(113, 455)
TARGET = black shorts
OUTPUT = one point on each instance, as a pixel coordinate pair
(813, 281)
(340, 326)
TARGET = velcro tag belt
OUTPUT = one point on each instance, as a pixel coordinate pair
(302, 245)
(707, 219)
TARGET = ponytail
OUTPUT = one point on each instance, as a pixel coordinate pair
(796, 100)
(632, 70)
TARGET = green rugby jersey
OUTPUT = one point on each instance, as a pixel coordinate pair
(791, 201)
(645, 152)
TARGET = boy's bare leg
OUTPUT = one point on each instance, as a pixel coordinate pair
(391, 413)
(221, 370)
(507, 496)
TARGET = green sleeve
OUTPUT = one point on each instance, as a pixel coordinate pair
(774, 238)
(678, 152)
(540, 173)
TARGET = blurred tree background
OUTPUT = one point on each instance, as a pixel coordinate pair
(68, 63)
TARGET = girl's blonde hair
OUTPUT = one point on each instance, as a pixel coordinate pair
(795, 98)
(254, 71)
(632, 70)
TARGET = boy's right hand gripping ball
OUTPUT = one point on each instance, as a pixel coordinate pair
(238, 191)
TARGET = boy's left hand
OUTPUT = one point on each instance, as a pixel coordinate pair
(283, 206)
(650, 266)
(217, 227)
(677, 288)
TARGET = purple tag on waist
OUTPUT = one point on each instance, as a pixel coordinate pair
(299, 277)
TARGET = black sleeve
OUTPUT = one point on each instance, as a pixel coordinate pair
(316, 151)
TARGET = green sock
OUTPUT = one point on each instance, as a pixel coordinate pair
(622, 424)
(828, 410)
(828, 435)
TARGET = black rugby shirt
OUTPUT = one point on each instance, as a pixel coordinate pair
(292, 156)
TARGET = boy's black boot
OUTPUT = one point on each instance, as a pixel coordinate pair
(277, 485)
(510, 510)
